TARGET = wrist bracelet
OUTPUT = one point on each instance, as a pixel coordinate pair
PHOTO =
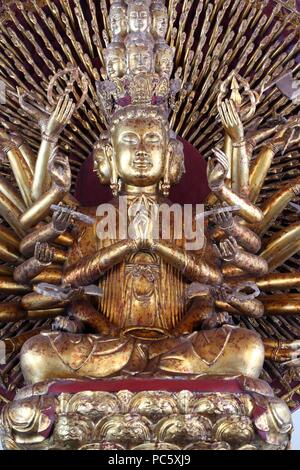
(49, 138)
(239, 144)
(8, 147)
(215, 188)
(273, 147)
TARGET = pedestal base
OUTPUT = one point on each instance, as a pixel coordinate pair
(134, 414)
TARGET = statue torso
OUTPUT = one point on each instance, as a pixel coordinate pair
(142, 295)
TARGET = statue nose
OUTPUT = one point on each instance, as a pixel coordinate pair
(141, 154)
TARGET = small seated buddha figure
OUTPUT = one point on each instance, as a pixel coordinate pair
(157, 315)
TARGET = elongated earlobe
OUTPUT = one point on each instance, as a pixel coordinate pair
(165, 184)
(114, 180)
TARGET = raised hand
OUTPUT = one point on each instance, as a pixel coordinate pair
(231, 121)
(217, 169)
(287, 136)
(60, 117)
(223, 293)
(142, 230)
(51, 124)
(61, 220)
(224, 220)
(60, 171)
(227, 249)
(43, 253)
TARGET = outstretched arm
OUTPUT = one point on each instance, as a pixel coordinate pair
(91, 268)
(43, 257)
(248, 307)
(233, 127)
(192, 267)
(47, 233)
(60, 172)
(216, 172)
(51, 126)
(229, 251)
(227, 225)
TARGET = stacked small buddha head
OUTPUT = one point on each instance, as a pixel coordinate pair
(141, 150)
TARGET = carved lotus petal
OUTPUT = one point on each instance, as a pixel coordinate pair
(180, 428)
(93, 404)
(73, 427)
(124, 428)
(153, 404)
(236, 430)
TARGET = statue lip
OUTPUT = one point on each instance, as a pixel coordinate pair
(142, 164)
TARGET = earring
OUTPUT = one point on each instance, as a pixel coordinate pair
(115, 183)
(165, 185)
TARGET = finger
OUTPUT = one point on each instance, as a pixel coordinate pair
(45, 252)
(233, 242)
(217, 251)
(229, 246)
(233, 116)
(36, 250)
(58, 107)
(65, 217)
(222, 117)
(67, 114)
(63, 107)
(227, 113)
(226, 250)
(221, 159)
(70, 112)
(223, 248)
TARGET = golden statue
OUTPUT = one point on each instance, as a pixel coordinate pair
(141, 289)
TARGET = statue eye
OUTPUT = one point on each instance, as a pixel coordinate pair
(153, 138)
(130, 138)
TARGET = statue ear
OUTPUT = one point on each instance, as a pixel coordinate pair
(176, 161)
(114, 177)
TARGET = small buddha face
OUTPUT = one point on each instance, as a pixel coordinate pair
(139, 59)
(101, 162)
(164, 61)
(140, 148)
(159, 23)
(118, 21)
(115, 62)
(138, 18)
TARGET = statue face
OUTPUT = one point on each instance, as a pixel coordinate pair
(115, 62)
(139, 59)
(164, 62)
(101, 164)
(159, 23)
(118, 21)
(138, 18)
(140, 148)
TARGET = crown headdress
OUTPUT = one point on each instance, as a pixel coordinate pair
(138, 61)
